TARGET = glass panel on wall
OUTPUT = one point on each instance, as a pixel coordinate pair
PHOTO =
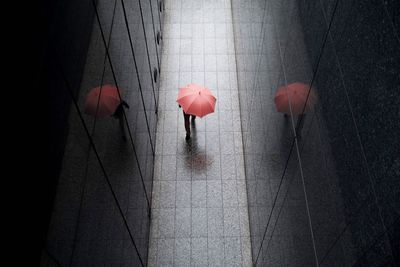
(333, 63)
(143, 96)
(287, 239)
(153, 64)
(101, 214)
(348, 194)
(153, 47)
(157, 26)
(86, 226)
(126, 158)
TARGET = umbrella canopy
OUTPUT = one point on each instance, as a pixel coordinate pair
(294, 96)
(196, 100)
(102, 101)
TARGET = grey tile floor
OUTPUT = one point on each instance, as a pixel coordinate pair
(199, 205)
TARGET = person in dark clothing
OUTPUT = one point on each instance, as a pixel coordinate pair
(299, 123)
(119, 114)
(187, 126)
(186, 118)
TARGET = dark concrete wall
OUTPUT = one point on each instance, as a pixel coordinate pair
(324, 191)
(102, 184)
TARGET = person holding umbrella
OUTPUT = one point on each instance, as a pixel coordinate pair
(195, 100)
(295, 99)
(104, 101)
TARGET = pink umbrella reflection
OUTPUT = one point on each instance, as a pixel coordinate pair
(293, 97)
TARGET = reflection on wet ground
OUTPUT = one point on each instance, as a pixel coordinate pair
(195, 155)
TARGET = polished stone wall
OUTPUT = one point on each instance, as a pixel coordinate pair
(323, 188)
(101, 212)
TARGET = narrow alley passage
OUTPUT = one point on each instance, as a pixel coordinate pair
(298, 164)
(199, 201)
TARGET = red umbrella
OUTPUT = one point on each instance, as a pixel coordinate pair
(196, 100)
(102, 101)
(294, 95)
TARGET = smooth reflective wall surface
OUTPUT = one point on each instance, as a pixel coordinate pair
(323, 172)
(101, 212)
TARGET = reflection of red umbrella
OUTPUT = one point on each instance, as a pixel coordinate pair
(102, 101)
(296, 95)
(196, 100)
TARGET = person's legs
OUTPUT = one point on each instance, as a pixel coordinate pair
(186, 117)
(193, 118)
(300, 123)
(122, 127)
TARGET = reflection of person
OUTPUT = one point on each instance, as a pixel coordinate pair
(119, 114)
(299, 123)
(186, 118)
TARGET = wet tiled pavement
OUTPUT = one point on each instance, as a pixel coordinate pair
(199, 206)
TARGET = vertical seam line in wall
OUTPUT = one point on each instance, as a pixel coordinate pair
(158, 59)
(147, 51)
(138, 76)
(251, 105)
(240, 103)
(159, 17)
(144, 107)
(241, 126)
(154, 35)
(235, 152)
